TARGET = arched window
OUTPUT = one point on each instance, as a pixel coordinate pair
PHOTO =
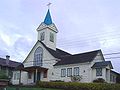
(42, 36)
(38, 56)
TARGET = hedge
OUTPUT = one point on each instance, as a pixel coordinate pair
(79, 86)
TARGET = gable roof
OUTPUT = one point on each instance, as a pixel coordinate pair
(111, 71)
(102, 64)
(11, 64)
(78, 58)
(58, 53)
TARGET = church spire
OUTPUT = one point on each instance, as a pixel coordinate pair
(48, 19)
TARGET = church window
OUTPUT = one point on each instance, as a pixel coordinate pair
(16, 76)
(29, 75)
(69, 72)
(76, 71)
(63, 72)
(45, 74)
(38, 56)
(42, 36)
(51, 37)
(98, 71)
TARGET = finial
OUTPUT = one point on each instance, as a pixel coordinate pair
(49, 5)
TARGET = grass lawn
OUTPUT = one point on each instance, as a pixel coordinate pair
(25, 88)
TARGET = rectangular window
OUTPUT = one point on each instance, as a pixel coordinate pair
(69, 72)
(63, 72)
(98, 71)
(45, 74)
(29, 75)
(76, 71)
(16, 76)
(51, 37)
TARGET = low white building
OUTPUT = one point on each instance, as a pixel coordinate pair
(45, 62)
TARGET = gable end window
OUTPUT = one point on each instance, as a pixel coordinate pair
(76, 71)
(38, 55)
(98, 71)
(69, 72)
(63, 72)
(51, 37)
(42, 36)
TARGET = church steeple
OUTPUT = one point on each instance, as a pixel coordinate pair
(47, 31)
(48, 19)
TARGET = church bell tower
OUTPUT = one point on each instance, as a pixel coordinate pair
(47, 32)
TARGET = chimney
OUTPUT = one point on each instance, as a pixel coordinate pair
(7, 59)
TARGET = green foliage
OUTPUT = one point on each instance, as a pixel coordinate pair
(99, 80)
(3, 75)
(31, 88)
(118, 79)
(76, 78)
(79, 86)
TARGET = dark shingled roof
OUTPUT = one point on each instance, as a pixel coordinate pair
(58, 53)
(102, 64)
(11, 64)
(78, 58)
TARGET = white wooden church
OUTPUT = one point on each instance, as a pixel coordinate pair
(45, 62)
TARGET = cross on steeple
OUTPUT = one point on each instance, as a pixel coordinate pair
(49, 5)
(48, 19)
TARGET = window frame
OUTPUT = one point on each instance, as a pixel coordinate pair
(51, 37)
(76, 71)
(69, 72)
(45, 74)
(38, 57)
(29, 75)
(42, 36)
(16, 76)
(98, 71)
(63, 72)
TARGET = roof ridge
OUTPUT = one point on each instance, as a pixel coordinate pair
(87, 52)
(9, 60)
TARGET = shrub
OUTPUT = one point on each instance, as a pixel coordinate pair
(79, 86)
(99, 80)
(76, 78)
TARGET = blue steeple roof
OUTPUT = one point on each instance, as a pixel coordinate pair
(48, 19)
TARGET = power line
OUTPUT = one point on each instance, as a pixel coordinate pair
(91, 34)
(113, 58)
(86, 40)
(112, 53)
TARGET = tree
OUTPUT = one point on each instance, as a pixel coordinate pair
(3, 75)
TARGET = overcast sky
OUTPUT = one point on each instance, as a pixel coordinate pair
(84, 25)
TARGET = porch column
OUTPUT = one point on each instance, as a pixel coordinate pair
(20, 78)
(36, 75)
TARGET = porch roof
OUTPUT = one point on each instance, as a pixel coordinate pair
(102, 64)
(33, 68)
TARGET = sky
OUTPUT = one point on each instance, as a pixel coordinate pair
(83, 25)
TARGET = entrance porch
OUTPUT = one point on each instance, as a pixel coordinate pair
(33, 74)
